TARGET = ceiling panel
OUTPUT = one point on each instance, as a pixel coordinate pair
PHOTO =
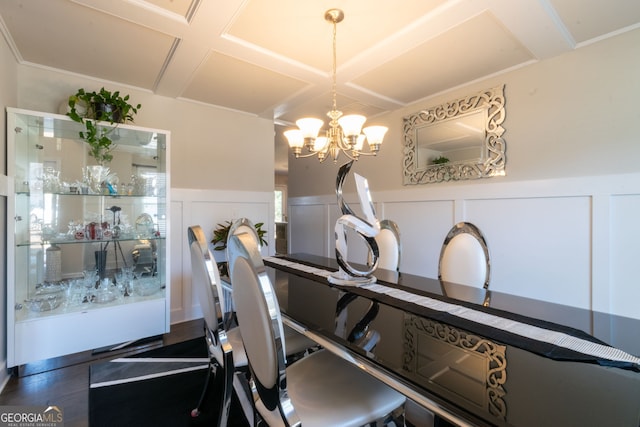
(298, 31)
(81, 40)
(223, 80)
(445, 62)
(179, 7)
(588, 19)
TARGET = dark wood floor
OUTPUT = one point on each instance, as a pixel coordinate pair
(64, 381)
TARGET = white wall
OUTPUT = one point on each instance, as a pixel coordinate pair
(561, 225)
(208, 144)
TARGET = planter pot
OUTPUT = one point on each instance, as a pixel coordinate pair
(223, 268)
(108, 110)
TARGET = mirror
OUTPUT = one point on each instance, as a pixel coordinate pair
(457, 140)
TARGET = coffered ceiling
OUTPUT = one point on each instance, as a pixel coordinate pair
(272, 58)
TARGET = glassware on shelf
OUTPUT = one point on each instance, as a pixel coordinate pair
(94, 177)
(54, 264)
(51, 181)
(47, 297)
(144, 225)
(90, 278)
(123, 280)
(146, 286)
(48, 232)
(44, 303)
(76, 293)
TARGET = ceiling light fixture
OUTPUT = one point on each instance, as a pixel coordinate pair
(343, 134)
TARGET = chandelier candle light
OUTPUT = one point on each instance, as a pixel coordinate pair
(343, 134)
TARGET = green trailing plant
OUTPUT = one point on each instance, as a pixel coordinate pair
(89, 108)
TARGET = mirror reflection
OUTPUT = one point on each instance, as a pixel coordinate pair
(455, 140)
(461, 139)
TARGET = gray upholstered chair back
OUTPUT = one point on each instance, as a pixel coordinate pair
(221, 346)
(261, 326)
(205, 277)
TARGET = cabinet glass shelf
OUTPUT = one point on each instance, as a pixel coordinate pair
(87, 243)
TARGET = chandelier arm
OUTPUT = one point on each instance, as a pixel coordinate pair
(303, 156)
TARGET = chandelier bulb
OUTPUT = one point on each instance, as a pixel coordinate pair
(351, 124)
(295, 139)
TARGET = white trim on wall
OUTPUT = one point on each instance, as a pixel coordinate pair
(208, 208)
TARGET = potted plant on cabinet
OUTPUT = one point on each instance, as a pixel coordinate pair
(220, 236)
(90, 107)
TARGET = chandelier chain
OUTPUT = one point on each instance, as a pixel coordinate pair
(334, 87)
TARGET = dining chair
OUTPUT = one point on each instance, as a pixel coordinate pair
(224, 342)
(389, 247)
(321, 389)
(298, 344)
(464, 259)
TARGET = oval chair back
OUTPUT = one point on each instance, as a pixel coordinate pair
(464, 257)
(389, 245)
(223, 346)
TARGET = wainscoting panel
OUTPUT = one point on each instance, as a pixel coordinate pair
(572, 241)
(423, 227)
(625, 255)
(208, 208)
(178, 253)
(309, 224)
(546, 240)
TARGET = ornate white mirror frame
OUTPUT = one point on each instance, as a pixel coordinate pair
(486, 108)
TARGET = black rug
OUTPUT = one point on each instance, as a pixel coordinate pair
(156, 388)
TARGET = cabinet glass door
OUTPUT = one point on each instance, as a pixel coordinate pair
(85, 236)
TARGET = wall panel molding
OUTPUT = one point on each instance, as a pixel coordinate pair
(559, 240)
(208, 208)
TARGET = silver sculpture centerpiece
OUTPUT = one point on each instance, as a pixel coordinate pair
(367, 228)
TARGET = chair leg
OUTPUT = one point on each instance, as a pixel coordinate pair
(195, 412)
(243, 393)
(225, 385)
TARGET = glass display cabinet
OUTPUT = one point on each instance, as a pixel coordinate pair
(87, 259)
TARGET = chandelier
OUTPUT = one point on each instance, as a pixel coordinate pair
(344, 133)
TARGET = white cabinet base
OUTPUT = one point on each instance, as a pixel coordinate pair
(38, 339)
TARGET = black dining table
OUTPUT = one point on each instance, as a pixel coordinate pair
(470, 356)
